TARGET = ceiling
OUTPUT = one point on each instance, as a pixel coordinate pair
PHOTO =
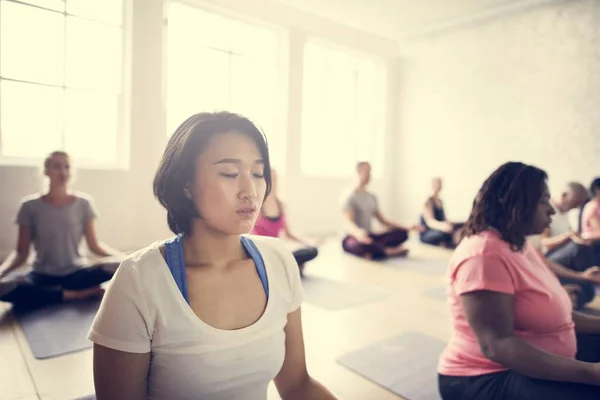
(404, 19)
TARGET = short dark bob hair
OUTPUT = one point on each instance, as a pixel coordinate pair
(178, 164)
(507, 202)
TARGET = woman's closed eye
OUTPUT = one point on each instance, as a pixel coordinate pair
(235, 175)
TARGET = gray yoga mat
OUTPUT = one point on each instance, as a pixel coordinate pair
(58, 329)
(337, 295)
(420, 265)
(405, 365)
(438, 293)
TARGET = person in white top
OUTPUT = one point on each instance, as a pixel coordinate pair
(561, 231)
(564, 245)
(212, 314)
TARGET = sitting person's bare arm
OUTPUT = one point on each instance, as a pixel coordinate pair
(433, 223)
(550, 242)
(120, 375)
(591, 274)
(491, 317)
(18, 257)
(360, 234)
(96, 247)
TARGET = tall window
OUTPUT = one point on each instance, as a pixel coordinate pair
(61, 80)
(217, 63)
(343, 115)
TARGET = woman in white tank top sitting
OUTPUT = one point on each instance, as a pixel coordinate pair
(55, 223)
(209, 314)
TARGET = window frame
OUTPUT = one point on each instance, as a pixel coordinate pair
(379, 141)
(279, 139)
(122, 148)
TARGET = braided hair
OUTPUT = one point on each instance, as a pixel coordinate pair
(507, 202)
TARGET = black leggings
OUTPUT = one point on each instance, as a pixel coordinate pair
(380, 241)
(305, 255)
(36, 290)
(439, 238)
(574, 256)
(510, 385)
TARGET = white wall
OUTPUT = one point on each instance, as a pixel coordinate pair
(129, 215)
(523, 87)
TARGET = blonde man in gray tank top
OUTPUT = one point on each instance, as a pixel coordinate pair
(55, 223)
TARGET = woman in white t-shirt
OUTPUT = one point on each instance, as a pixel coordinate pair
(209, 314)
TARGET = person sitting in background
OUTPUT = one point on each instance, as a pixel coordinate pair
(515, 335)
(211, 313)
(272, 222)
(590, 218)
(560, 241)
(360, 207)
(56, 222)
(438, 231)
(563, 245)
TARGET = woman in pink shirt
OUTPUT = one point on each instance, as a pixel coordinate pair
(515, 335)
(272, 222)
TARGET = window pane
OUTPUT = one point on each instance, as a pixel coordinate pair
(254, 41)
(343, 109)
(58, 5)
(31, 44)
(93, 55)
(31, 119)
(197, 81)
(189, 25)
(254, 90)
(110, 11)
(91, 130)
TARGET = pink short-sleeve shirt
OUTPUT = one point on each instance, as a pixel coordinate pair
(590, 211)
(542, 308)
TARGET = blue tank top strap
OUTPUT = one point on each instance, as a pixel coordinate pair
(259, 262)
(175, 262)
(174, 258)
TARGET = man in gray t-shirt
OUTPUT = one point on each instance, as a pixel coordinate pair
(56, 233)
(360, 207)
(55, 223)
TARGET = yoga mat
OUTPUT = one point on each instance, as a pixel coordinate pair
(419, 265)
(58, 329)
(405, 365)
(438, 293)
(336, 295)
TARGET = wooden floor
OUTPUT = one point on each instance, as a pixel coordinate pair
(328, 334)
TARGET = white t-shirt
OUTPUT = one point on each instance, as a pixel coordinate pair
(144, 311)
(561, 222)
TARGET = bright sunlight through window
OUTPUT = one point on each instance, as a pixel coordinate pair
(217, 63)
(343, 112)
(61, 79)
